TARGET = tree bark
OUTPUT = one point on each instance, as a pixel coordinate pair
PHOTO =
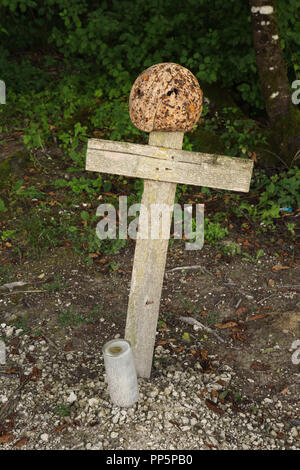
(283, 115)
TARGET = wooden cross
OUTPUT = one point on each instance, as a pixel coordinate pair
(166, 101)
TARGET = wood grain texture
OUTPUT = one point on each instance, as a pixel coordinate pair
(148, 270)
(162, 164)
(171, 165)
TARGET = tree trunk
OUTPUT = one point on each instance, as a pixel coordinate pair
(283, 115)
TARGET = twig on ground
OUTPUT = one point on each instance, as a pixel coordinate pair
(193, 321)
(50, 341)
(23, 292)
(196, 266)
(266, 298)
(11, 285)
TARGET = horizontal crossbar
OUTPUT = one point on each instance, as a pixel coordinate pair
(174, 166)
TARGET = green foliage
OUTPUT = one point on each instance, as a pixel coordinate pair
(213, 231)
(7, 235)
(2, 206)
(213, 317)
(231, 249)
(73, 82)
(274, 193)
(119, 39)
(63, 409)
(80, 83)
(6, 273)
(72, 318)
(240, 136)
(81, 185)
(186, 337)
(23, 323)
(30, 192)
(55, 285)
(39, 231)
(284, 188)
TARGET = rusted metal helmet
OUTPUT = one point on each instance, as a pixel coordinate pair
(165, 97)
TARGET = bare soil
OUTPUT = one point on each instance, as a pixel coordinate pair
(254, 307)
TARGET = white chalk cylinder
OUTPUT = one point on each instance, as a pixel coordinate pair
(120, 372)
(2, 353)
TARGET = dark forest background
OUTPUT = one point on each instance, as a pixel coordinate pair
(69, 65)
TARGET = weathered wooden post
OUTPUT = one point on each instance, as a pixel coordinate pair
(165, 100)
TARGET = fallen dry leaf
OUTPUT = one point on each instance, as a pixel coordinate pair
(239, 336)
(15, 342)
(6, 438)
(221, 382)
(163, 328)
(253, 156)
(211, 446)
(61, 427)
(21, 442)
(256, 365)
(174, 423)
(30, 358)
(12, 371)
(213, 407)
(241, 311)
(279, 267)
(35, 374)
(177, 350)
(257, 317)
(229, 324)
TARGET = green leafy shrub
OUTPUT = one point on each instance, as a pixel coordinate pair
(274, 193)
(213, 231)
(120, 39)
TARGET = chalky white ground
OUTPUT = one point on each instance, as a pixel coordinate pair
(171, 412)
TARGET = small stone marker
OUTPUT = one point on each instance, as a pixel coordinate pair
(2, 353)
(120, 372)
(165, 100)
